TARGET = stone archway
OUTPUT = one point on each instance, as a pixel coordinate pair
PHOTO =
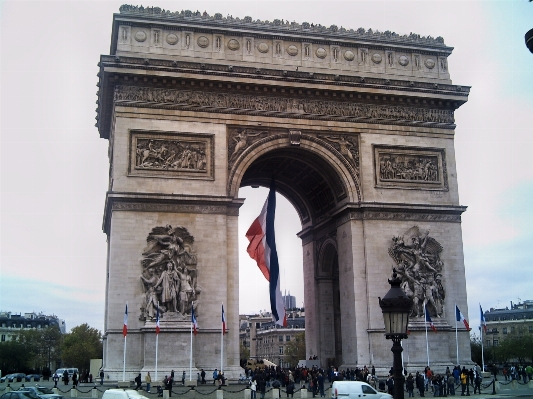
(357, 128)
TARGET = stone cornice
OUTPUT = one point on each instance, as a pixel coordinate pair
(174, 203)
(279, 27)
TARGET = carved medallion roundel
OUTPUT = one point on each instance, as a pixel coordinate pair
(321, 52)
(403, 60)
(292, 50)
(376, 58)
(233, 45)
(203, 41)
(349, 55)
(429, 63)
(172, 38)
(140, 36)
(263, 47)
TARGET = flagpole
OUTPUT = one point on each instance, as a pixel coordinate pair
(222, 346)
(125, 337)
(427, 342)
(156, 338)
(190, 360)
(481, 326)
(456, 338)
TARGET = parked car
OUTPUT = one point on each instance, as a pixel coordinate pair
(34, 377)
(42, 392)
(16, 377)
(122, 394)
(355, 389)
(5, 377)
(19, 395)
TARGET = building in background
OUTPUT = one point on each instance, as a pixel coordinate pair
(501, 323)
(11, 323)
(289, 301)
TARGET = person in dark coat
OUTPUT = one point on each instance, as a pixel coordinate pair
(65, 377)
(410, 385)
(420, 383)
(138, 382)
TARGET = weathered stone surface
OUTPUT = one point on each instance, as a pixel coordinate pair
(360, 138)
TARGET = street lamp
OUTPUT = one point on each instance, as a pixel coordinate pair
(396, 307)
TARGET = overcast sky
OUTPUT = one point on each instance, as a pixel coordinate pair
(54, 166)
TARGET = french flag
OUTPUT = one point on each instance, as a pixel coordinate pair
(483, 321)
(459, 317)
(125, 328)
(157, 329)
(262, 249)
(194, 322)
(223, 320)
(428, 320)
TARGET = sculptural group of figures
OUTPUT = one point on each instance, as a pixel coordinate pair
(420, 269)
(169, 275)
(399, 167)
(170, 154)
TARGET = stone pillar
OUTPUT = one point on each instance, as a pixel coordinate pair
(55, 390)
(73, 393)
(247, 393)
(8, 388)
(275, 393)
(303, 393)
(165, 394)
(220, 394)
(94, 393)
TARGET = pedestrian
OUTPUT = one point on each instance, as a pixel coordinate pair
(464, 380)
(101, 377)
(202, 374)
(261, 385)
(90, 378)
(419, 379)
(410, 385)
(390, 385)
(290, 389)
(320, 382)
(215, 376)
(56, 379)
(477, 383)
(183, 378)
(451, 385)
(148, 380)
(74, 380)
(65, 377)
(253, 390)
(138, 382)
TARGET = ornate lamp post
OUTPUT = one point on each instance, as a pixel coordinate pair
(396, 307)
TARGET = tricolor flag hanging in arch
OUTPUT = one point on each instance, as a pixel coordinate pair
(125, 328)
(483, 321)
(459, 317)
(262, 249)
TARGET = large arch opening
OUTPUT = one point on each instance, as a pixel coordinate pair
(311, 189)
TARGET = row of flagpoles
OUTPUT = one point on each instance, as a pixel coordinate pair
(194, 331)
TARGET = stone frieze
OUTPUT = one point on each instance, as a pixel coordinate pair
(234, 102)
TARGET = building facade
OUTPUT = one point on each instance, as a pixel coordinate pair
(11, 323)
(514, 321)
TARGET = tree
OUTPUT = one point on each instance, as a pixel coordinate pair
(14, 357)
(295, 350)
(244, 354)
(42, 347)
(81, 345)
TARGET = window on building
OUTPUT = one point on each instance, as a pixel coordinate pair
(512, 330)
(496, 342)
(3, 338)
(505, 330)
(280, 338)
(488, 342)
(288, 338)
(281, 350)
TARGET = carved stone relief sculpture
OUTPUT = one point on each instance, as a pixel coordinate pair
(239, 141)
(417, 256)
(169, 274)
(171, 154)
(348, 146)
(410, 167)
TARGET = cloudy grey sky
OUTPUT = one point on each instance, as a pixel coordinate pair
(54, 166)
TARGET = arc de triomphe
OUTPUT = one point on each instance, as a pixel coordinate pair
(358, 128)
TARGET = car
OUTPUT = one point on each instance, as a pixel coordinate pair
(42, 392)
(34, 377)
(19, 395)
(5, 377)
(122, 394)
(355, 389)
(70, 371)
(15, 377)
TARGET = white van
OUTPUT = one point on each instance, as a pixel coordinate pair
(355, 389)
(70, 370)
(122, 394)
